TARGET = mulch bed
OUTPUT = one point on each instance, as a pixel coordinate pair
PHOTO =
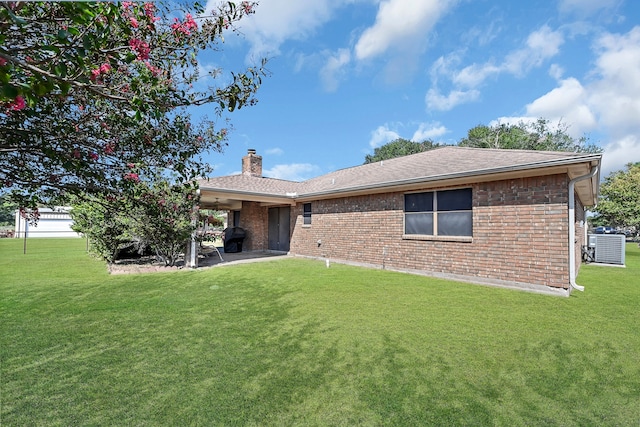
(151, 264)
(146, 264)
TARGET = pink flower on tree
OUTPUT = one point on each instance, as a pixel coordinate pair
(184, 27)
(141, 48)
(132, 177)
(247, 6)
(134, 22)
(103, 69)
(17, 104)
(95, 74)
(150, 10)
(154, 70)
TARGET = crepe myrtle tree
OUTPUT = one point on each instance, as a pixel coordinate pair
(154, 215)
(88, 88)
(164, 218)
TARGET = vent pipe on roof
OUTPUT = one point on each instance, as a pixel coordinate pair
(572, 227)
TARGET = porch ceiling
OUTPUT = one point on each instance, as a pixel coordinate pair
(221, 200)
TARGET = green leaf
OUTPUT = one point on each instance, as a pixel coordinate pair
(40, 89)
(61, 69)
(9, 91)
(62, 35)
(65, 87)
(51, 48)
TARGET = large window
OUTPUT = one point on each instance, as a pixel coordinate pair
(439, 213)
(306, 213)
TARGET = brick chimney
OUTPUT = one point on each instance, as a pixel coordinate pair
(252, 164)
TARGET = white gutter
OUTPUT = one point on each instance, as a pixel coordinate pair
(572, 227)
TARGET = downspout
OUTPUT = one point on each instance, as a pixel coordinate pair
(572, 227)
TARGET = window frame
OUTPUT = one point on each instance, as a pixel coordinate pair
(433, 210)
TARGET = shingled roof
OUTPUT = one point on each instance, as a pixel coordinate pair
(440, 164)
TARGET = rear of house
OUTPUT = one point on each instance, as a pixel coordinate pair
(500, 217)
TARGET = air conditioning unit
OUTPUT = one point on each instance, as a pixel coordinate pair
(609, 248)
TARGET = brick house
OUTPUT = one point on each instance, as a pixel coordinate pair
(510, 218)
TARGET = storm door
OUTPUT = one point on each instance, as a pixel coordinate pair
(279, 228)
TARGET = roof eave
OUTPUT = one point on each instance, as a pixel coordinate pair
(550, 167)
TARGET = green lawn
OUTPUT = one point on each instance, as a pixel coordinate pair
(291, 342)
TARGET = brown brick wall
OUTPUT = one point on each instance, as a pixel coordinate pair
(254, 219)
(520, 233)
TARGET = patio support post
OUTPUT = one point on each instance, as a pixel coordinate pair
(191, 255)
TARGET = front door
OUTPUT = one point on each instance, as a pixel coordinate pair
(279, 228)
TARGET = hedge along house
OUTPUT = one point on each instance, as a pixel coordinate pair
(510, 218)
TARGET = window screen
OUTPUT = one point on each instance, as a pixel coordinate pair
(306, 213)
(439, 213)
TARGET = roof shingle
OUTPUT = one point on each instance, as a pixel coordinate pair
(442, 162)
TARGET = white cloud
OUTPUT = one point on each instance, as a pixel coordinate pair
(274, 151)
(277, 21)
(474, 75)
(586, 7)
(541, 45)
(608, 103)
(567, 103)
(428, 131)
(445, 65)
(437, 101)
(618, 153)
(398, 23)
(293, 172)
(616, 95)
(333, 70)
(382, 135)
(556, 71)
(617, 90)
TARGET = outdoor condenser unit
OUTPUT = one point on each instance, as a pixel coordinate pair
(609, 248)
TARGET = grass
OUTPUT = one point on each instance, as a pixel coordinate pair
(291, 342)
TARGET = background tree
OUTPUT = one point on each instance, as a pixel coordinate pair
(106, 223)
(7, 212)
(88, 89)
(619, 203)
(539, 135)
(399, 147)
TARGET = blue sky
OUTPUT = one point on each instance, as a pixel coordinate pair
(351, 75)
